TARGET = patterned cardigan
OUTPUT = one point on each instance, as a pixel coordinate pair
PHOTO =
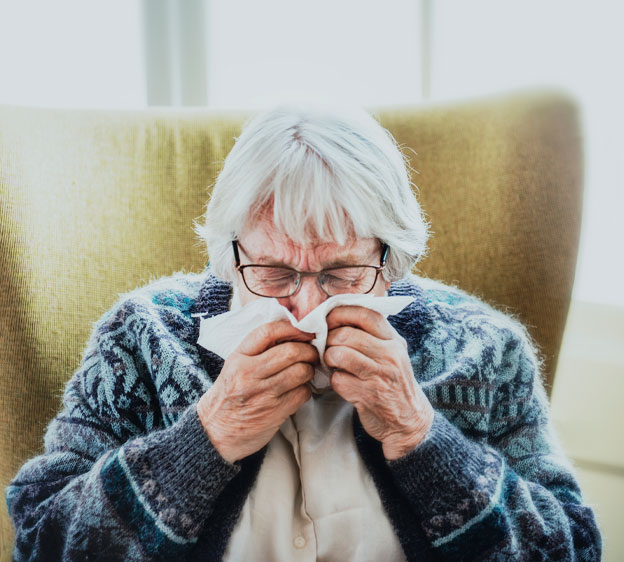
(129, 474)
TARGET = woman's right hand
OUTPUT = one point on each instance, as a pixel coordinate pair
(262, 383)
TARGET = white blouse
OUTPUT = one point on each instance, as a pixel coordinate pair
(314, 498)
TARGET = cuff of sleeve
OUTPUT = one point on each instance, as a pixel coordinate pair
(179, 473)
(447, 475)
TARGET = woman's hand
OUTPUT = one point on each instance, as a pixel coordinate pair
(262, 383)
(372, 370)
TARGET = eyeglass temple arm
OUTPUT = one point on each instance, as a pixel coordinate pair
(384, 254)
(235, 248)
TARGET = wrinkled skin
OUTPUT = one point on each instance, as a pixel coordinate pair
(262, 383)
(264, 380)
(374, 373)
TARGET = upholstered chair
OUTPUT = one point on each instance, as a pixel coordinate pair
(95, 203)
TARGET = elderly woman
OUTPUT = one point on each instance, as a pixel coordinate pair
(433, 441)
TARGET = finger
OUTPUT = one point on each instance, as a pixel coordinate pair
(283, 355)
(270, 334)
(359, 317)
(347, 386)
(292, 400)
(359, 340)
(347, 359)
(290, 378)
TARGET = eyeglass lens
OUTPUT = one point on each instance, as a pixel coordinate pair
(278, 282)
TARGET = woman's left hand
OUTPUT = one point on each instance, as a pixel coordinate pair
(372, 370)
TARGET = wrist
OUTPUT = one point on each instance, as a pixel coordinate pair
(203, 414)
(399, 445)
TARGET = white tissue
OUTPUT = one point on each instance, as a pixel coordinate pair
(222, 334)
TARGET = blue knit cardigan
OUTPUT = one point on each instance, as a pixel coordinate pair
(128, 472)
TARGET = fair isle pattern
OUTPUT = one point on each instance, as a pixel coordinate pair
(129, 474)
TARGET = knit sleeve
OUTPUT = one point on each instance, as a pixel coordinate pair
(109, 485)
(491, 482)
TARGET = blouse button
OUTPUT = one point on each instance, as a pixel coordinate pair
(299, 542)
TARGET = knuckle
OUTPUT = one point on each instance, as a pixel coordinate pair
(336, 380)
(391, 348)
(314, 358)
(341, 384)
(301, 372)
(368, 315)
(330, 356)
(308, 371)
(333, 315)
(268, 402)
(339, 354)
(267, 331)
(239, 396)
(243, 374)
(361, 313)
(305, 393)
(341, 335)
(273, 331)
(399, 341)
(298, 397)
(291, 352)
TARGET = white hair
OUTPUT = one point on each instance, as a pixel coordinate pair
(327, 176)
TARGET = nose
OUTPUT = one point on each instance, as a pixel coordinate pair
(306, 299)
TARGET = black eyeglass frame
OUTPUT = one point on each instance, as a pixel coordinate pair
(378, 268)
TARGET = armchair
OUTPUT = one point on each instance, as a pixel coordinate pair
(95, 203)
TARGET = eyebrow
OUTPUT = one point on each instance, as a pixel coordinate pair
(340, 262)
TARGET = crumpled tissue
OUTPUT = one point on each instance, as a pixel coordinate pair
(223, 333)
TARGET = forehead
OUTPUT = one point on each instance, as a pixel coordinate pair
(263, 243)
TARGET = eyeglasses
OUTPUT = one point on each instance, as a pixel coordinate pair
(281, 282)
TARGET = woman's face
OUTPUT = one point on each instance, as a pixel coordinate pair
(261, 243)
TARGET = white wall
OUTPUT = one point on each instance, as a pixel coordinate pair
(587, 412)
(71, 53)
(485, 46)
(358, 51)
